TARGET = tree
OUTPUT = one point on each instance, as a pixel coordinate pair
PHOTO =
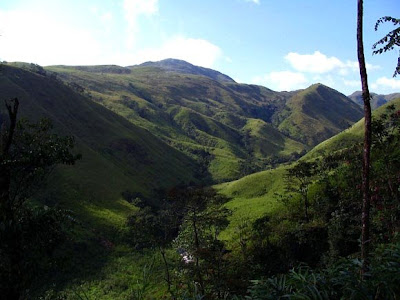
(365, 222)
(299, 179)
(155, 229)
(203, 218)
(28, 153)
(389, 41)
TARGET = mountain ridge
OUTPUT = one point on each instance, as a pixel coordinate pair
(231, 129)
(181, 66)
(377, 100)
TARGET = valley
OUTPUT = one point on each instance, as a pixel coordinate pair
(167, 144)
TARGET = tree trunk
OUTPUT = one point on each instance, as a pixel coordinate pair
(197, 246)
(5, 181)
(365, 235)
(167, 275)
(7, 212)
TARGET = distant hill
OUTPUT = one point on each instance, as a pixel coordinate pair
(318, 113)
(376, 101)
(183, 67)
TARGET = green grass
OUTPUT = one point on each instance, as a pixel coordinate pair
(252, 196)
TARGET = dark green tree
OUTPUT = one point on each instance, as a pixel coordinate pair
(28, 153)
(299, 179)
(202, 252)
(155, 229)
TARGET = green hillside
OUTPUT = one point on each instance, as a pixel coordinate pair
(242, 128)
(147, 128)
(252, 196)
(317, 113)
(117, 155)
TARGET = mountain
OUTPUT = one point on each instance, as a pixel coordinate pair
(183, 67)
(317, 113)
(376, 99)
(231, 129)
(204, 118)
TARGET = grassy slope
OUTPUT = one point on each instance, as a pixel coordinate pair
(234, 122)
(117, 155)
(252, 196)
(318, 113)
(187, 110)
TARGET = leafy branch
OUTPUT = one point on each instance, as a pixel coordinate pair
(389, 41)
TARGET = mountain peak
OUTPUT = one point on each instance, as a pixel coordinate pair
(377, 100)
(184, 67)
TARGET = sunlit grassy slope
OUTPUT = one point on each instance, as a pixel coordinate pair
(185, 110)
(252, 196)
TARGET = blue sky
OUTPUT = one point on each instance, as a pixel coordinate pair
(283, 45)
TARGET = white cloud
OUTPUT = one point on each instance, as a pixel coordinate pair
(196, 51)
(325, 79)
(135, 8)
(282, 80)
(132, 10)
(387, 83)
(313, 63)
(106, 17)
(46, 40)
(43, 39)
(352, 83)
(254, 1)
(320, 63)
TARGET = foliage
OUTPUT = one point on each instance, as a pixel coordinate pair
(389, 41)
(28, 234)
(193, 217)
(298, 179)
(339, 281)
(202, 252)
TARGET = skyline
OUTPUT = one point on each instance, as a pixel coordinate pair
(281, 46)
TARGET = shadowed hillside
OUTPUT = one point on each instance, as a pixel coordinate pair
(118, 156)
